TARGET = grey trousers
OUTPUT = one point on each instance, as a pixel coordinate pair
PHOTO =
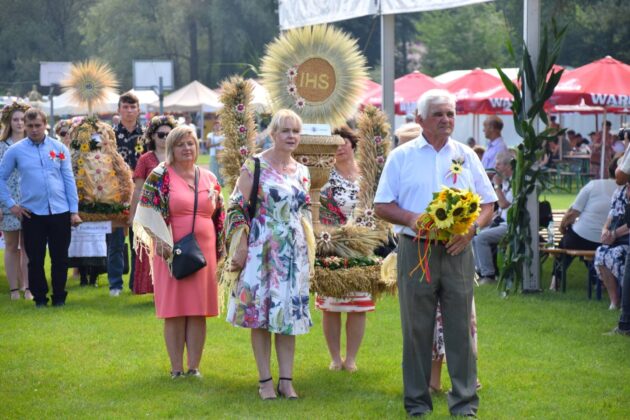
(451, 284)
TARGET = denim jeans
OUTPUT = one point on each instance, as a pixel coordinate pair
(116, 258)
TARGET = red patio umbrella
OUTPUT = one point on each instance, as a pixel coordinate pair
(466, 86)
(604, 82)
(407, 90)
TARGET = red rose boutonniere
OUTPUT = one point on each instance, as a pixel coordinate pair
(57, 156)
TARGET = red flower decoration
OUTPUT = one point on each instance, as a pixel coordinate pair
(61, 156)
(52, 154)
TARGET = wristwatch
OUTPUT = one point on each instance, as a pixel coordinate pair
(476, 226)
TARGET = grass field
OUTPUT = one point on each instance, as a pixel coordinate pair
(540, 356)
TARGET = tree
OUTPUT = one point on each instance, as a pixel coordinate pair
(463, 38)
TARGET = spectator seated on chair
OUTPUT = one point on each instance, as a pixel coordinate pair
(610, 257)
(490, 236)
(582, 223)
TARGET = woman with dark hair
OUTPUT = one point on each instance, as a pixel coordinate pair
(338, 199)
(155, 142)
(15, 260)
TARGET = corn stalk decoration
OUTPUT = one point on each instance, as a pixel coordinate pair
(540, 84)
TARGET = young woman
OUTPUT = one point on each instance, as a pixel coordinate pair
(15, 260)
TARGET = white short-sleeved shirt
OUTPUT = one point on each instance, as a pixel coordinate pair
(415, 170)
(593, 203)
(506, 186)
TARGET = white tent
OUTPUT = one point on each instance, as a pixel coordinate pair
(261, 100)
(145, 97)
(64, 105)
(194, 97)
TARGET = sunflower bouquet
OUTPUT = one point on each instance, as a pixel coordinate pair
(451, 212)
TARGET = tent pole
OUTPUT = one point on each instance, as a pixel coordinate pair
(602, 155)
(387, 67)
(531, 35)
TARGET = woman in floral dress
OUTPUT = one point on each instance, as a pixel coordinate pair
(272, 292)
(15, 260)
(338, 199)
(610, 257)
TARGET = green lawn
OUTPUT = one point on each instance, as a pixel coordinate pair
(540, 356)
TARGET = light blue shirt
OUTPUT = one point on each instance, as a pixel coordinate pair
(490, 155)
(47, 184)
(415, 170)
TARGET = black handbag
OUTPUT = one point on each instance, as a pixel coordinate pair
(253, 196)
(187, 255)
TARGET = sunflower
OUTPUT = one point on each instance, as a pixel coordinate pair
(474, 206)
(80, 162)
(81, 172)
(459, 210)
(80, 183)
(85, 147)
(440, 215)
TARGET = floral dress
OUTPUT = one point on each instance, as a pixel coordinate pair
(273, 289)
(338, 199)
(613, 256)
(9, 222)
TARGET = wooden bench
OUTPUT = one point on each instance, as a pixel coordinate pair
(557, 252)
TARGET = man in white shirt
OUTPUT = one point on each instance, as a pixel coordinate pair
(492, 235)
(492, 127)
(412, 173)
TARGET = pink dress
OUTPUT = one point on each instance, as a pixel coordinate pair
(142, 281)
(197, 294)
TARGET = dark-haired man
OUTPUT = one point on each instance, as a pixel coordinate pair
(48, 205)
(129, 141)
(492, 127)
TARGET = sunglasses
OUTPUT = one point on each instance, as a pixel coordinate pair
(63, 133)
(161, 135)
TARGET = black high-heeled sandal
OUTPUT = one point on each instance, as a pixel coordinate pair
(282, 394)
(264, 381)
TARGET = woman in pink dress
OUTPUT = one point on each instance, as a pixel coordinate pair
(155, 141)
(166, 206)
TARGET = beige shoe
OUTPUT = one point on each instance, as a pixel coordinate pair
(28, 295)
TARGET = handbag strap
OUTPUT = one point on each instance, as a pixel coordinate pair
(253, 196)
(195, 206)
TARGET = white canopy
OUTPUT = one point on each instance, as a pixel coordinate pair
(64, 105)
(261, 100)
(297, 13)
(194, 97)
